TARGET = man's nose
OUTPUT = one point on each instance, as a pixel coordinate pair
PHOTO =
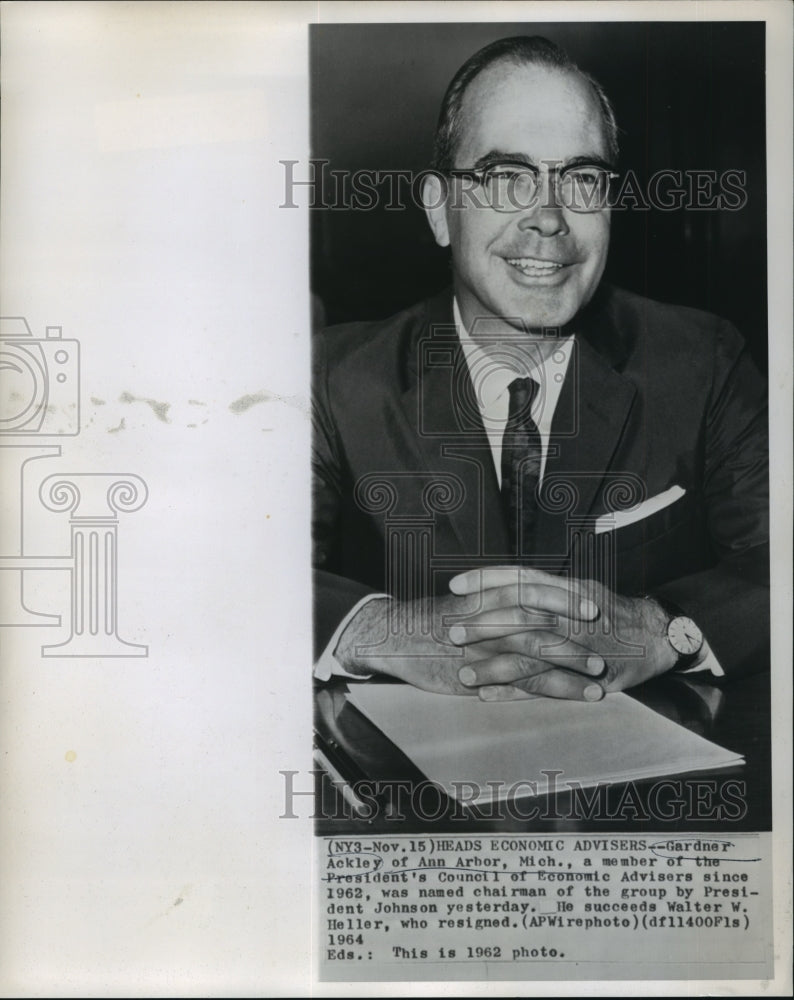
(545, 215)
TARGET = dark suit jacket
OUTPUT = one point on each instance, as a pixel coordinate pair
(406, 493)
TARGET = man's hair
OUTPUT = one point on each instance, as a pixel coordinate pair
(521, 50)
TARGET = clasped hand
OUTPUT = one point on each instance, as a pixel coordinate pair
(624, 636)
(506, 633)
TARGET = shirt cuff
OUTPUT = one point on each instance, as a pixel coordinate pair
(706, 662)
(327, 665)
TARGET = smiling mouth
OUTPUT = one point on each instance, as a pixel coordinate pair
(533, 267)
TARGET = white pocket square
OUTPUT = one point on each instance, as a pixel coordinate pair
(621, 518)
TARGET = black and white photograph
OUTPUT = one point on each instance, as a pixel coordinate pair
(540, 471)
(545, 482)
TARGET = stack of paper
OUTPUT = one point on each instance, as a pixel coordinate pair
(454, 739)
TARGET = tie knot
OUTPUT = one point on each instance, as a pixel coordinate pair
(522, 396)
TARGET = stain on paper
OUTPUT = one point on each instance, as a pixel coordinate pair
(246, 402)
(180, 898)
(160, 409)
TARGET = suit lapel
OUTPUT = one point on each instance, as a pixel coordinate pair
(440, 406)
(588, 424)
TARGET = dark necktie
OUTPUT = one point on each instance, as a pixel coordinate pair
(521, 455)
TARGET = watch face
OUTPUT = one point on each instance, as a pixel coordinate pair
(684, 635)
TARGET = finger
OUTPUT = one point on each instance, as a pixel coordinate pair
(499, 620)
(550, 597)
(496, 576)
(551, 684)
(502, 669)
(553, 597)
(474, 580)
(548, 647)
(504, 620)
(483, 580)
(505, 692)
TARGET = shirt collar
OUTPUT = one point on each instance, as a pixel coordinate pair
(491, 375)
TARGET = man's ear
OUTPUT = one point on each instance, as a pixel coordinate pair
(434, 200)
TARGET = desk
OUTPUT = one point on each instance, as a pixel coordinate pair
(735, 714)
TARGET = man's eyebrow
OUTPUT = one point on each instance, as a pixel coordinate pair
(499, 156)
(494, 156)
(589, 160)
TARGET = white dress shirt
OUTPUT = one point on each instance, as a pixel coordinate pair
(493, 370)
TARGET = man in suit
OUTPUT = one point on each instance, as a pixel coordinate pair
(536, 484)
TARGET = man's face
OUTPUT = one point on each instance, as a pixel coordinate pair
(535, 115)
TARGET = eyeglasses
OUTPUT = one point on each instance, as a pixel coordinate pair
(514, 187)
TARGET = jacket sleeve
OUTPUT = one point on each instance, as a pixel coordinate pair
(730, 602)
(334, 595)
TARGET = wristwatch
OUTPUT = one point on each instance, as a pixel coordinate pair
(682, 634)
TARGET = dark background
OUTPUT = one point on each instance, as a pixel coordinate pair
(687, 96)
